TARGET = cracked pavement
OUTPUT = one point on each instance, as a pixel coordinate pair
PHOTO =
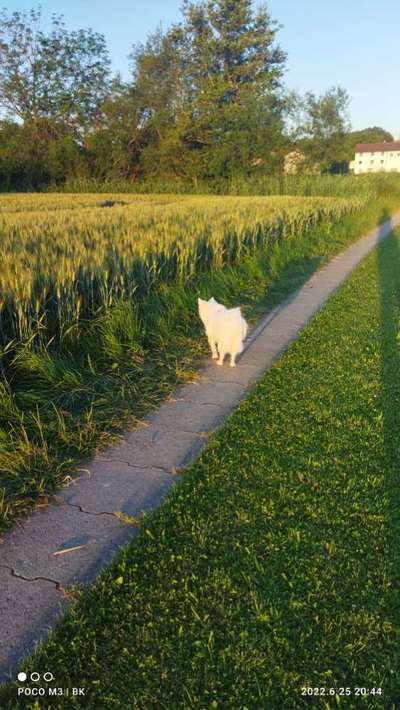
(68, 541)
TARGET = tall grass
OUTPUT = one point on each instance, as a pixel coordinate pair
(301, 185)
(68, 258)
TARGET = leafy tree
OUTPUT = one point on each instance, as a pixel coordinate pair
(235, 69)
(113, 147)
(27, 164)
(13, 163)
(209, 92)
(52, 85)
(161, 95)
(205, 101)
(59, 78)
(319, 127)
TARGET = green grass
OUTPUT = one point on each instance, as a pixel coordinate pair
(344, 185)
(57, 407)
(275, 564)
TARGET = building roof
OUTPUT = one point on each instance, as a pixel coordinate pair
(376, 147)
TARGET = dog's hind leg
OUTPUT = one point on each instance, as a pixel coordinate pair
(221, 358)
(214, 351)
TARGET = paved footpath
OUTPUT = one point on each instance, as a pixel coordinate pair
(69, 540)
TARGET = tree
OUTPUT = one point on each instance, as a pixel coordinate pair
(114, 147)
(209, 92)
(161, 95)
(13, 158)
(319, 127)
(28, 165)
(235, 70)
(54, 79)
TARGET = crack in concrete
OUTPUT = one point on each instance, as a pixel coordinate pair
(88, 512)
(62, 501)
(64, 590)
(213, 425)
(125, 519)
(201, 404)
(208, 379)
(230, 382)
(132, 465)
(220, 405)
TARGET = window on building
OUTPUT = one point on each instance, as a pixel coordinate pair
(382, 161)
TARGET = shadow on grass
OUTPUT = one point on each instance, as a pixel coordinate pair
(388, 261)
(292, 277)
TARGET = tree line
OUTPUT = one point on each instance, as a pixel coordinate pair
(205, 100)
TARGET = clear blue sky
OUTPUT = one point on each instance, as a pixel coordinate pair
(354, 43)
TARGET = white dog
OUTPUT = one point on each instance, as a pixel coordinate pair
(226, 329)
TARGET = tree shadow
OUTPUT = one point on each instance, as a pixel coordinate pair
(388, 264)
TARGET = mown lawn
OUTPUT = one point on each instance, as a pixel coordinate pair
(275, 565)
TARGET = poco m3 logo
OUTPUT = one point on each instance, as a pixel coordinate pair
(41, 690)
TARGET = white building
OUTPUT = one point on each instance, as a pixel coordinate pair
(376, 158)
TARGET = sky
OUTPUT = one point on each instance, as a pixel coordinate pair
(351, 43)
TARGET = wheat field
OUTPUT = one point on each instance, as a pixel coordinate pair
(67, 257)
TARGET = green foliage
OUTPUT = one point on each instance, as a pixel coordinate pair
(56, 77)
(30, 164)
(234, 68)
(208, 93)
(113, 149)
(319, 127)
(54, 85)
(305, 185)
(162, 100)
(205, 103)
(15, 162)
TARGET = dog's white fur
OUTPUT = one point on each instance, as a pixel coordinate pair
(225, 328)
